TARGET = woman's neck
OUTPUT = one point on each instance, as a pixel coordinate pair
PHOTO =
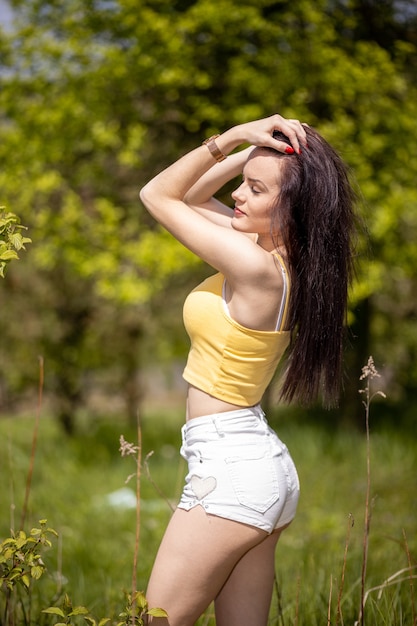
(271, 244)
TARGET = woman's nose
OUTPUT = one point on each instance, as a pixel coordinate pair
(237, 193)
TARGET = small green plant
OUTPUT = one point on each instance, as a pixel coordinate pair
(11, 239)
(20, 558)
(136, 609)
(21, 562)
(66, 612)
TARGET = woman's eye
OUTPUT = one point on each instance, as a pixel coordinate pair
(255, 191)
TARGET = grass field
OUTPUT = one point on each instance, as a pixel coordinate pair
(79, 486)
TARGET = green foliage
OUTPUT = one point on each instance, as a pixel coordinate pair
(134, 613)
(21, 565)
(97, 537)
(136, 609)
(67, 612)
(155, 78)
(11, 240)
(20, 558)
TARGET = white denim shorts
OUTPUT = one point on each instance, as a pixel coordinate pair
(239, 469)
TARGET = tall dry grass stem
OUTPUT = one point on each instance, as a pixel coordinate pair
(369, 372)
(137, 606)
(12, 495)
(130, 449)
(297, 601)
(278, 595)
(339, 616)
(394, 579)
(137, 531)
(329, 604)
(410, 567)
(34, 443)
(153, 483)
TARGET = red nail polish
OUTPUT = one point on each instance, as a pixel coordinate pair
(289, 150)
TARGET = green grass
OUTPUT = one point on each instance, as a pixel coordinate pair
(92, 560)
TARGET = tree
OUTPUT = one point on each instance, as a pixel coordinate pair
(97, 96)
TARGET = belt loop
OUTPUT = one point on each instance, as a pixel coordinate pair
(259, 412)
(261, 415)
(218, 426)
(184, 431)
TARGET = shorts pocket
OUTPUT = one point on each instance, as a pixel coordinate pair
(254, 480)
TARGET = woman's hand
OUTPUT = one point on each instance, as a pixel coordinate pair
(260, 133)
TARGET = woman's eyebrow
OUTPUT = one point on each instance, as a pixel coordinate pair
(256, 181)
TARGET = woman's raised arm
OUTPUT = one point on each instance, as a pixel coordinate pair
(188, 184)
(201, 195)
(176, 181)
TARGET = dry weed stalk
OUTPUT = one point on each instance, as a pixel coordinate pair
(410, 567)
(329, 604)
(34, 443)
(297, 601)
(339, 615)
(130, 449)
(137, 532)
(153, 483)
(394, 579)
(278, 594)
(369, 372)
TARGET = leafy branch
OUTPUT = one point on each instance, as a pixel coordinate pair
(11, 239)
(21, 562)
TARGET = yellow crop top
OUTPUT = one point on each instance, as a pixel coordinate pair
(227, 360)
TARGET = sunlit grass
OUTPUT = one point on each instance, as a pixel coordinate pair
(73, 479)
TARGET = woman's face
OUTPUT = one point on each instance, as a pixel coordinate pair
(258, 193)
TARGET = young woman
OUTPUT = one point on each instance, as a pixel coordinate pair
(283, 258)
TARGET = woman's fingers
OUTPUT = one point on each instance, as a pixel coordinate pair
(261, 133)
(295, 132)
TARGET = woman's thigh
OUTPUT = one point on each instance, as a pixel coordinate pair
(245, 598)
(196, 557)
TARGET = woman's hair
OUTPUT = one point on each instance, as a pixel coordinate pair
(315, 216)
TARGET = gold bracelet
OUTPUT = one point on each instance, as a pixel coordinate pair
(214, 148)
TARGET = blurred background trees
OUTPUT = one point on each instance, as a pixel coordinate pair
(98, 95)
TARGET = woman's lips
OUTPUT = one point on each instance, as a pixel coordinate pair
(238, 212)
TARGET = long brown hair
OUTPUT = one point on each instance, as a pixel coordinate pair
(315, 216)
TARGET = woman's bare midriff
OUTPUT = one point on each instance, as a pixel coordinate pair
(201, 403)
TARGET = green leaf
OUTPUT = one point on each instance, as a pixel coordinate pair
(54, 610)
(16, 240)
(79, 610)
(8, 255)
(67, 602)
(157, 612)
(37, 571)
(26, 580)
(16, 572)
(140, 600)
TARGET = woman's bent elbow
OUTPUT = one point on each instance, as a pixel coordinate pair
(148, 197)
(143, 195)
